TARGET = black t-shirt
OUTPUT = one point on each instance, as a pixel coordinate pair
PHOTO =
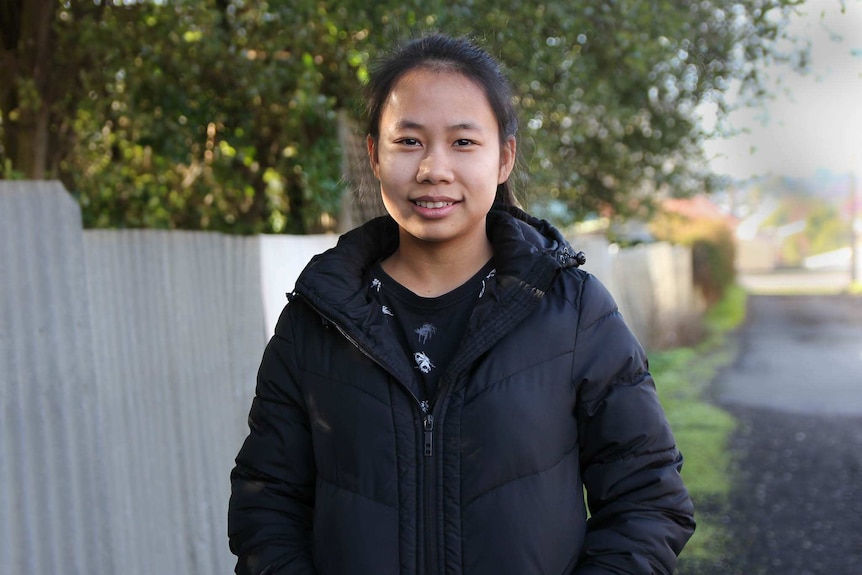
(429, 329)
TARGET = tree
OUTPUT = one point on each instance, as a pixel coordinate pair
(213, 120)
(27, 94)
(221, 114)
(609, 91)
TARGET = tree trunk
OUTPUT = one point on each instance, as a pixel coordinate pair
(32, 146)
(26, 65)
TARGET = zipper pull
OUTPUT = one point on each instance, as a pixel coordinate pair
(428, 423)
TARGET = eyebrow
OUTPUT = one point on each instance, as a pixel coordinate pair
(411, 125)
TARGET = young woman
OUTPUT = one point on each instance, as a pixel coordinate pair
(445, 382)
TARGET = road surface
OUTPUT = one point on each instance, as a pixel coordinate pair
(796, 389)
(799, 354)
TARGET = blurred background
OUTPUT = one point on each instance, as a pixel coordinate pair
(245, 117)
(167, 168)
(224, 115)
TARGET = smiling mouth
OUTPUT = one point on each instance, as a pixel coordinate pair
(432, 205)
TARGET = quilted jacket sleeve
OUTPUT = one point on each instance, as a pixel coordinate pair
(272, 485)
(641, 514)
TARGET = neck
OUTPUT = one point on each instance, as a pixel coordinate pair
(430, 270)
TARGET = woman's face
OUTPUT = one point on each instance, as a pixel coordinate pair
(438, 157)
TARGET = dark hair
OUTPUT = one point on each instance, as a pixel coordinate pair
(442, 53)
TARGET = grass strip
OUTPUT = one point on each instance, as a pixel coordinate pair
(702, 430)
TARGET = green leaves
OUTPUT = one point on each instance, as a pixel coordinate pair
(221, 114)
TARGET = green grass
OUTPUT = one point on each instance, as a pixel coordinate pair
(702, 429)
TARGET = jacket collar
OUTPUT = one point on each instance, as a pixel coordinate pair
(525, 247)
(528, 255)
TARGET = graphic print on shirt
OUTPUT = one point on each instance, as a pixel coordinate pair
(428, 329)
(491, 274)
(425, 332)
(423, 362)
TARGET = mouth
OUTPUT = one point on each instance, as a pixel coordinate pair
(432, 205)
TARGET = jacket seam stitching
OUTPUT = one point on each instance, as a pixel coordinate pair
(499, 381)
(344, 383)
(647, 455)
(363, 496)
(560, 461)
(614, 310)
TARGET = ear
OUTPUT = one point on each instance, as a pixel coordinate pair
(372, 156)
(507, 159)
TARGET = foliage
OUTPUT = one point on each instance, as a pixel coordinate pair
(713, 250)
(218, 124)
(220, 114)
(727, 314)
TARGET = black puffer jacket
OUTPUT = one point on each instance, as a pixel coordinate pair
(345, 473)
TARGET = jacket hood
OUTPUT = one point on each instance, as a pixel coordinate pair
(529, 253)
(525, 247)
(509, 223)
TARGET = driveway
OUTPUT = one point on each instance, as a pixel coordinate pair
(796, 389)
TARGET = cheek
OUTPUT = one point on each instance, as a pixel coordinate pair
(487, 173)
(396, 171)
(392, 182)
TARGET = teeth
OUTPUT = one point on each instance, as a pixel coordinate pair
(433, 204)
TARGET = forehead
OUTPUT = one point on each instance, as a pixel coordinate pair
(422, 95)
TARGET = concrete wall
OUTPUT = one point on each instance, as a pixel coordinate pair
(127, 367)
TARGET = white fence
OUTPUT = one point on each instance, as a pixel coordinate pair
(127, 365)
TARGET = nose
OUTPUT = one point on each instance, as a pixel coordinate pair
(435, 168)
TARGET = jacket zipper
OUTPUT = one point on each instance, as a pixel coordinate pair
(428, 424)
(428, 529)
(429, 487)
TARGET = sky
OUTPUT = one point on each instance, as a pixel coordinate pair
(817, 124)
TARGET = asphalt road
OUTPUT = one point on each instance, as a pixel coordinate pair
(796, 388)
(799, 354)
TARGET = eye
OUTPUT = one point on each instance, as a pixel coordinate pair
(463, 142)
(408, 141)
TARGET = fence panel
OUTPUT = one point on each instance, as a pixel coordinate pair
(52, 474)
(179, 329)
